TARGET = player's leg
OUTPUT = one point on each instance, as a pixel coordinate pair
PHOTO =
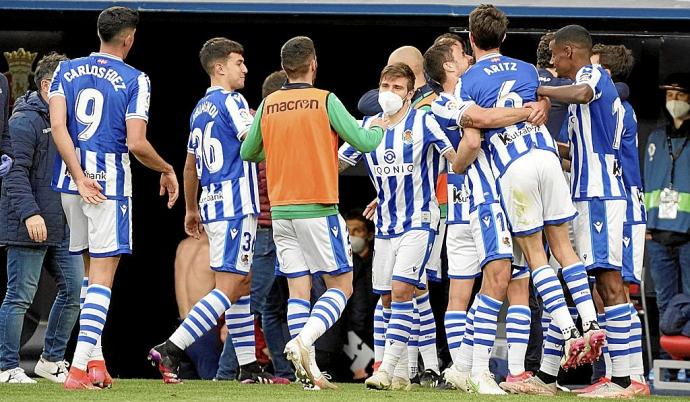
(427, 340)
(518, 320)
(633, 252)
(382, 274)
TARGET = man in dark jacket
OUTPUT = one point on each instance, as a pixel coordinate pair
(5, 160)
(34, 229)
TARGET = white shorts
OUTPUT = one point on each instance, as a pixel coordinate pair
(535, 193)
(231, 244)
(485, 239)
(633, 252)
(104, 229)
(433, 266)
(401, 258)
(312, 246)
(599, 233)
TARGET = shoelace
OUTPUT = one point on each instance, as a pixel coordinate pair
(19, 374)
(62, 366)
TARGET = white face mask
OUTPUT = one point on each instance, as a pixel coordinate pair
(390, 102)
(677, 108)
(357, 243)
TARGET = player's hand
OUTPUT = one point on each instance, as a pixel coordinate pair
(170, 185)
(370, 210)
(540, 112)
(91, 191)
(192, 224)
(379, 122)
(5, 165)
(37, 228)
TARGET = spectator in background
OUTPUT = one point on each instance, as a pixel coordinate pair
(33, 226)
(5, 160)
(548, 76)
(667, 194)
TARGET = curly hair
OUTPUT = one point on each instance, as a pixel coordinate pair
(616, 58)
(544, 52)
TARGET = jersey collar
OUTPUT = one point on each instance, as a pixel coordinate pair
(106, 55)
(214, 88)
(488, 56)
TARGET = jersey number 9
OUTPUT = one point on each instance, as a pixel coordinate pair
(89, 111)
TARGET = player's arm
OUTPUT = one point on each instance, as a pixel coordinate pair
(363, 139)
(468, 149)
(578, 93)
(342, 165)
(476, 116)
(253, 144)
(142, 149)
(88, 188)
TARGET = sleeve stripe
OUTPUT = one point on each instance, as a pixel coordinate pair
(142, 96)
(347, 160)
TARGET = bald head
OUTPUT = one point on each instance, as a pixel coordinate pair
(411, 56)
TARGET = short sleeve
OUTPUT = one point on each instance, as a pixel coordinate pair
(192, 143)
(139, 98)
(448, 111)
(57, 84)
(435, 135)
(591, 76)
(238, 109)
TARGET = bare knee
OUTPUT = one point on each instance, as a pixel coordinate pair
(386, 300)
(402, 291)
(610, 287)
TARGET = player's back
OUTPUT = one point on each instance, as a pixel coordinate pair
(229, 184)
(499, 81)
(101, 93)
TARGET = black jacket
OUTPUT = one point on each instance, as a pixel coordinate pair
(26, 189)
(4, 115)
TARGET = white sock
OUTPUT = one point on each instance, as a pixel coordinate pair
(240, 323)
(412, 344)
(553, 350)
(485, 325)
(466, 351)
(618, 338)
(91, 322)
(575, 277)
(455, 330)
(427, 333)
(381, 317)
(545, 321)
(82, 292)
(551, 292)
(601, 318)
(397, 334)
(517, 331)
(324, 314)
(201, 319)
(401, 369)
(635, 346)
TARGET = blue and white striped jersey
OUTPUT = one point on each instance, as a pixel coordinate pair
(595, 131)
(101, 92)
(480, 176)
(229, 185)
(402, 169)
(630, 162)
(499, 81)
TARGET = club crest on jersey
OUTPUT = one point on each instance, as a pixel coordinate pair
(506, 241)
(407, 137)
(389, 156)
(244, 259)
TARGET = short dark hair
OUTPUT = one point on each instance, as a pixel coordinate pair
(616, 58)
(112, 21)
(399, 70)
(574, 35)
(451, 37)
(358, 214)
(434, 57)
(296, 55)
(273, 82)
(216, 49)
(488, 26)
(47, 66)
(544, 51)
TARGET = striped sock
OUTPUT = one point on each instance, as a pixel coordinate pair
(413, 345)
(427, 333)
(573, 313)
(553, 351)
(82, 293)
(455, 329)
(551, 293)
(545, 321)
(297, 315)
(97, 351)
(240, 323)
(466, 350)
(91, 323)
(201, 319)
(397, 334)
(618, 337)
(575, 277)
(324, 314)
(605, 350)
(485, 325)
(635, 347)
(381, 317)
(517, 331)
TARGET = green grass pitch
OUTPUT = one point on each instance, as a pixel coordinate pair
(154, 390)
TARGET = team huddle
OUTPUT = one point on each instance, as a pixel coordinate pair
(469, 162)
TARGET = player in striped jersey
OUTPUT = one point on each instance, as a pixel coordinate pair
(98, 113)
(475, 243)
(403, 171)
(227, 210)
(533, 190)
(595, 127)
